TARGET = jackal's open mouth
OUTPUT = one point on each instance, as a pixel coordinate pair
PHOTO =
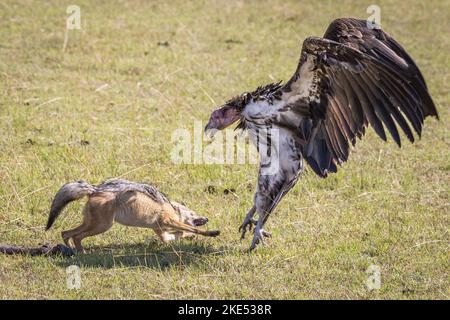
(200, 221)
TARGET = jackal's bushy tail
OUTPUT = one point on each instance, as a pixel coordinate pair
(68, 193)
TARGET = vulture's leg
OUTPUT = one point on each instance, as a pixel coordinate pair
(271, 189)
(265, 204)
(278, 173)
(248, 222)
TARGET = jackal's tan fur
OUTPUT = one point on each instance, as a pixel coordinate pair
(170, 220)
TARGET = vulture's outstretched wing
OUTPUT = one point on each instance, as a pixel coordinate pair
(353, 77)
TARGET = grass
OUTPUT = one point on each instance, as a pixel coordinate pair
(136, 71)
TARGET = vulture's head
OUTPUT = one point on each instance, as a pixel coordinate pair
(231, 111)
(226, 115)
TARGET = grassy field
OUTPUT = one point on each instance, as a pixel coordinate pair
(136, 71)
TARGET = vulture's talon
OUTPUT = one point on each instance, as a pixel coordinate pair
(266, 234)
(258, 237)
(247, 225)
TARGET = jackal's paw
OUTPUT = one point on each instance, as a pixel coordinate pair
(213, 233)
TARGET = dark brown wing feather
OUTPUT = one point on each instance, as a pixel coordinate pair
(360, 76)
(378, 44)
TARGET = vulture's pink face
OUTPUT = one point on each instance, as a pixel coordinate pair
(226, 115)
(222, 118)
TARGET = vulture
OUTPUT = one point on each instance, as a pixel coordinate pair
(356, 75)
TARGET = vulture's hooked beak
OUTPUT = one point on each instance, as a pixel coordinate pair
(211, 128)
(210, 133)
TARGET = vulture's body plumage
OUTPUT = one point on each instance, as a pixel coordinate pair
(355, 76)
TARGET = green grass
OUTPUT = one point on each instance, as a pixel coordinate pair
(386, 206)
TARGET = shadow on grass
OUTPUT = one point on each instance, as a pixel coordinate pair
(144, 255)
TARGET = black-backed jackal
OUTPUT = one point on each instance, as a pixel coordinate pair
(128, 203)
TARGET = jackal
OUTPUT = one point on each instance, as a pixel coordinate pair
(128, 203)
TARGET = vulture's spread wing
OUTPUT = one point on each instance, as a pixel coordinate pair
(353, 77)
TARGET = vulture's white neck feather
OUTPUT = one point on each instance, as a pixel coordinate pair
(258, 111)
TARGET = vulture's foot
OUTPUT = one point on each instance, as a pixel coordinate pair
(258, 237)
(247, 225)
